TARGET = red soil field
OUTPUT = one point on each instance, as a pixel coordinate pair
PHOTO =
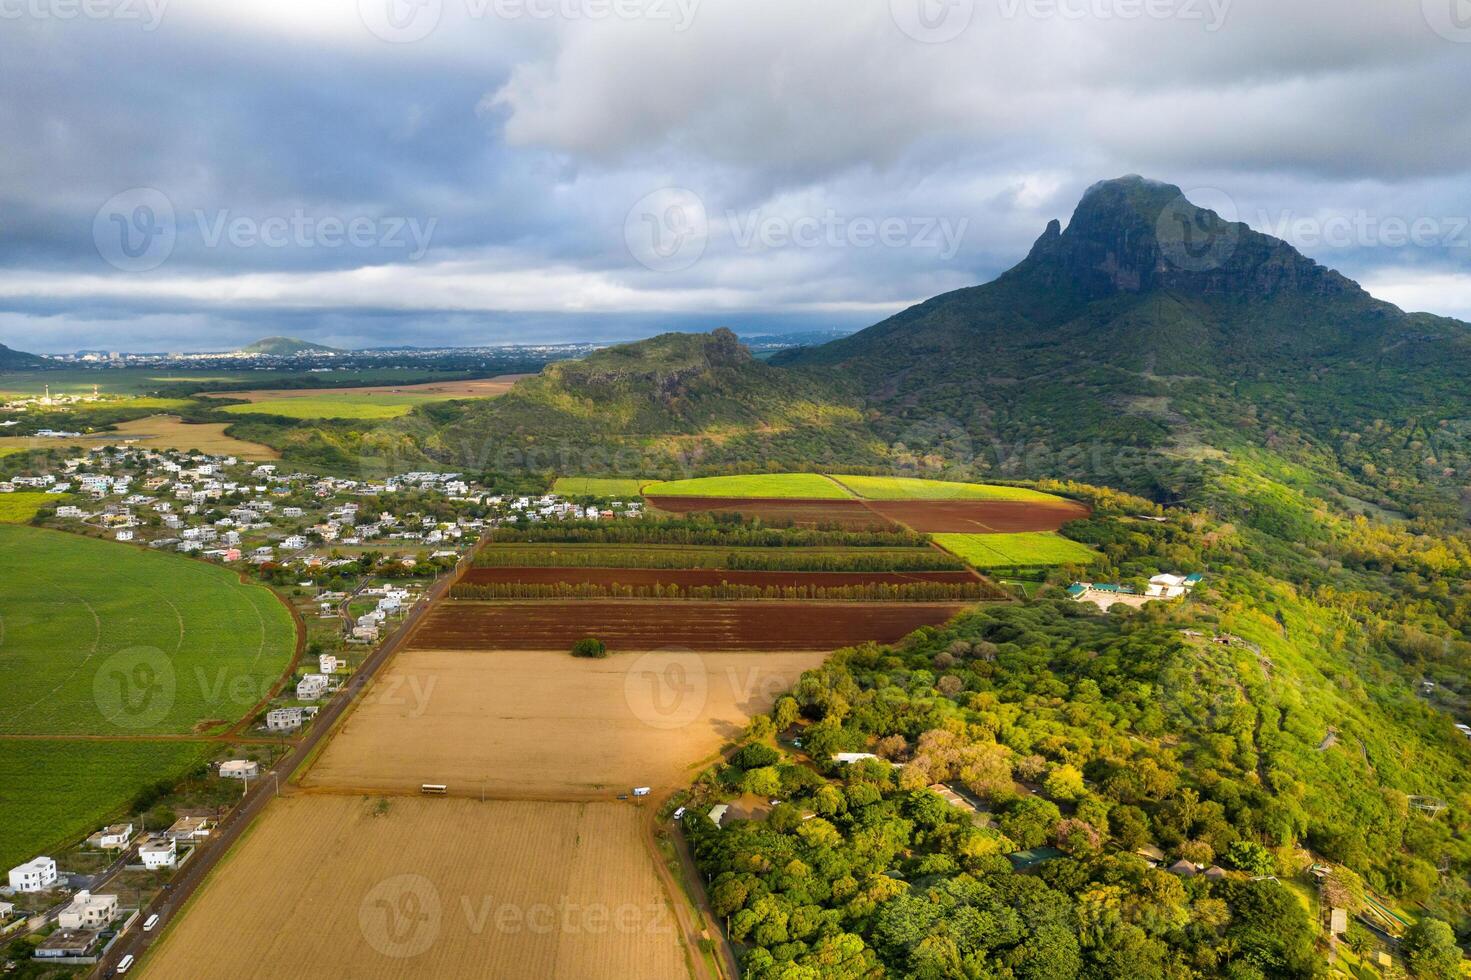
(850, 514)
(978, 516)
(652, 625)
(701, 576)
(924, 516)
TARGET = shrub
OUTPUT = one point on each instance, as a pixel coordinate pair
(590, 646)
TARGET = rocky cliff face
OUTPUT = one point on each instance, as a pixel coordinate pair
(1135, 235)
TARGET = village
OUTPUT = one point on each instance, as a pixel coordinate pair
(350, 557)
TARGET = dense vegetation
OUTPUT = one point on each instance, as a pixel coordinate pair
(1274, 719)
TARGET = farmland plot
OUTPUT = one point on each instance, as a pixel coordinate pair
(431, 888)
(639, 624)
(544, 725)
(105, 639)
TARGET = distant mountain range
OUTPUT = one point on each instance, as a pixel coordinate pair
(1131, 348)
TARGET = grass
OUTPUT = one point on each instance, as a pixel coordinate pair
(908, 488)
(103, 638)
(334, 406)
(53, 792)
(20, 507)
(1024, 548)
(795, 486)
(592, 486)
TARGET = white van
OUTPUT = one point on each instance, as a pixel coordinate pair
(150, 922)
(679, 814)
(125, 964)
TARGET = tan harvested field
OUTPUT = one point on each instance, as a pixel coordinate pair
(326, 886)
(651, 624)
(476, 388)
(157, 432)
(546, 725)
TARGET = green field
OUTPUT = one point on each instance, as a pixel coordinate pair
(333, 406)
(908, 488)
(53, 792)
(103, 638)
(1025, 548)
(810, 486)
(594, 486)
(20, 507)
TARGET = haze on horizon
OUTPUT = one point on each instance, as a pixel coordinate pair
(373, 172)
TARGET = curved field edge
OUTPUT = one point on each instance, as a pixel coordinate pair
(53, 792)
(103, 638)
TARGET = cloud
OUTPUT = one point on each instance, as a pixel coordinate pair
(528, 132)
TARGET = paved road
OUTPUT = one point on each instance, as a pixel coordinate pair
(192, 874)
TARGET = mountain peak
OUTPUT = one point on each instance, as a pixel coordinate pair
(283, 346)
(1133, 234)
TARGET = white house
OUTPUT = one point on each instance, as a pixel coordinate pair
(1167, 586)
(36, 875)
(852, 756)
(239, 769)
(311, 687)
(124, 535)
(328, 663)
(294, 542)
(113, 838)
(159, 854)
(188, 829)
(88, 911)
(283, 719)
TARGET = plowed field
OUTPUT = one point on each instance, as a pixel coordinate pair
(334, 886)
(651, 625)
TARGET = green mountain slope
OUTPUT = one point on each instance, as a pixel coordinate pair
(15, 360)
(1153, 325)
(668, 405)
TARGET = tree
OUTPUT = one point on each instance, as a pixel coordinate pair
(1251, 857)
(1030, 821)
(1064, 783)
(1431, 948)
(590, 646)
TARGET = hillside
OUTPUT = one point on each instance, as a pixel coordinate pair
(284, 347)
(662, 406)
(15, 360)
(1155, 326)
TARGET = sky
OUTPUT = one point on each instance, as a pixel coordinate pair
(195, 174)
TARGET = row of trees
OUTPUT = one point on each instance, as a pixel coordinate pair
(770, 560)
(720, 533)
(868, 592)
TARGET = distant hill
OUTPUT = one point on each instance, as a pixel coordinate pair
(661, 406)
(285, 346)
(15, 360)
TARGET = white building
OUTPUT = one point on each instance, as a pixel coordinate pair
(239, 769)
(283, 719)
(328, 663)
(188, 829)
(88, 911)
(124, 535)
(311, 687)
(112, 838)
(159, 854)
(36, 875)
